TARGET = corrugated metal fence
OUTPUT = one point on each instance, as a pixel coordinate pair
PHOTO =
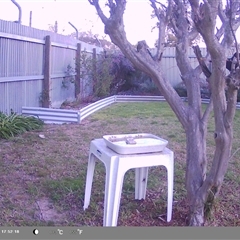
(23, 66)
(27, 74)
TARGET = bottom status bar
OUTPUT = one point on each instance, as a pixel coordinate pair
(118, 233)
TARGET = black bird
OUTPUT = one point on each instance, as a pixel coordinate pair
(232, 60)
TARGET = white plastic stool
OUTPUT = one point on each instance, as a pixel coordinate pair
(116, 166)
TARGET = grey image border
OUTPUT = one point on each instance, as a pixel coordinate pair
(122, 233)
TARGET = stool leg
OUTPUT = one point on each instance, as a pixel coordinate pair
(117, 197)
(141, 177)
(89, 180)
(110, 185)
(170, 173)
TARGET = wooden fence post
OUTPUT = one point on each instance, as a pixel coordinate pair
(78, 72)
(47, 73)
(94, 57)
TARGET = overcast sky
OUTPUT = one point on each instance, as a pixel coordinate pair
(81, 14)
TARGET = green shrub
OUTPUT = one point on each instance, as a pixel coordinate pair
(13, 124)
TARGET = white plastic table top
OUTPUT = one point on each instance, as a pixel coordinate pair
(116, 167)
(103, 151)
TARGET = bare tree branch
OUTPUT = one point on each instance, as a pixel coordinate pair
(205, 20)
(221, 13)
(201, 61)
(230, 23)
(207, 112)
(156, 10)
(163, 14)
(224, 20)
(99, 10)
(193, 34)
(231, 17)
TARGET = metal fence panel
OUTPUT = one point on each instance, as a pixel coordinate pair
(33, 96)
(86, 111)
(22, 66)
(61, 90)
(48, 115)
(20, 58)
(16, 95)
(4, 96)
(61, 58)
(126, 98)
(169, 67)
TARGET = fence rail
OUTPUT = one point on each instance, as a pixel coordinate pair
(59, 116)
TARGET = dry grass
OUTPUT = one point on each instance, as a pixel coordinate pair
(42, 180)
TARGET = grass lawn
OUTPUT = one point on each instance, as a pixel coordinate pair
(42, 180)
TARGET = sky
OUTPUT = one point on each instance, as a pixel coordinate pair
(82, 15)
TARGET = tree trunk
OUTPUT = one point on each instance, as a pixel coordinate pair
(201, 190)
(195, 167)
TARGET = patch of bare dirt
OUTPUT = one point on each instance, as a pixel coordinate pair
(48, 212)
